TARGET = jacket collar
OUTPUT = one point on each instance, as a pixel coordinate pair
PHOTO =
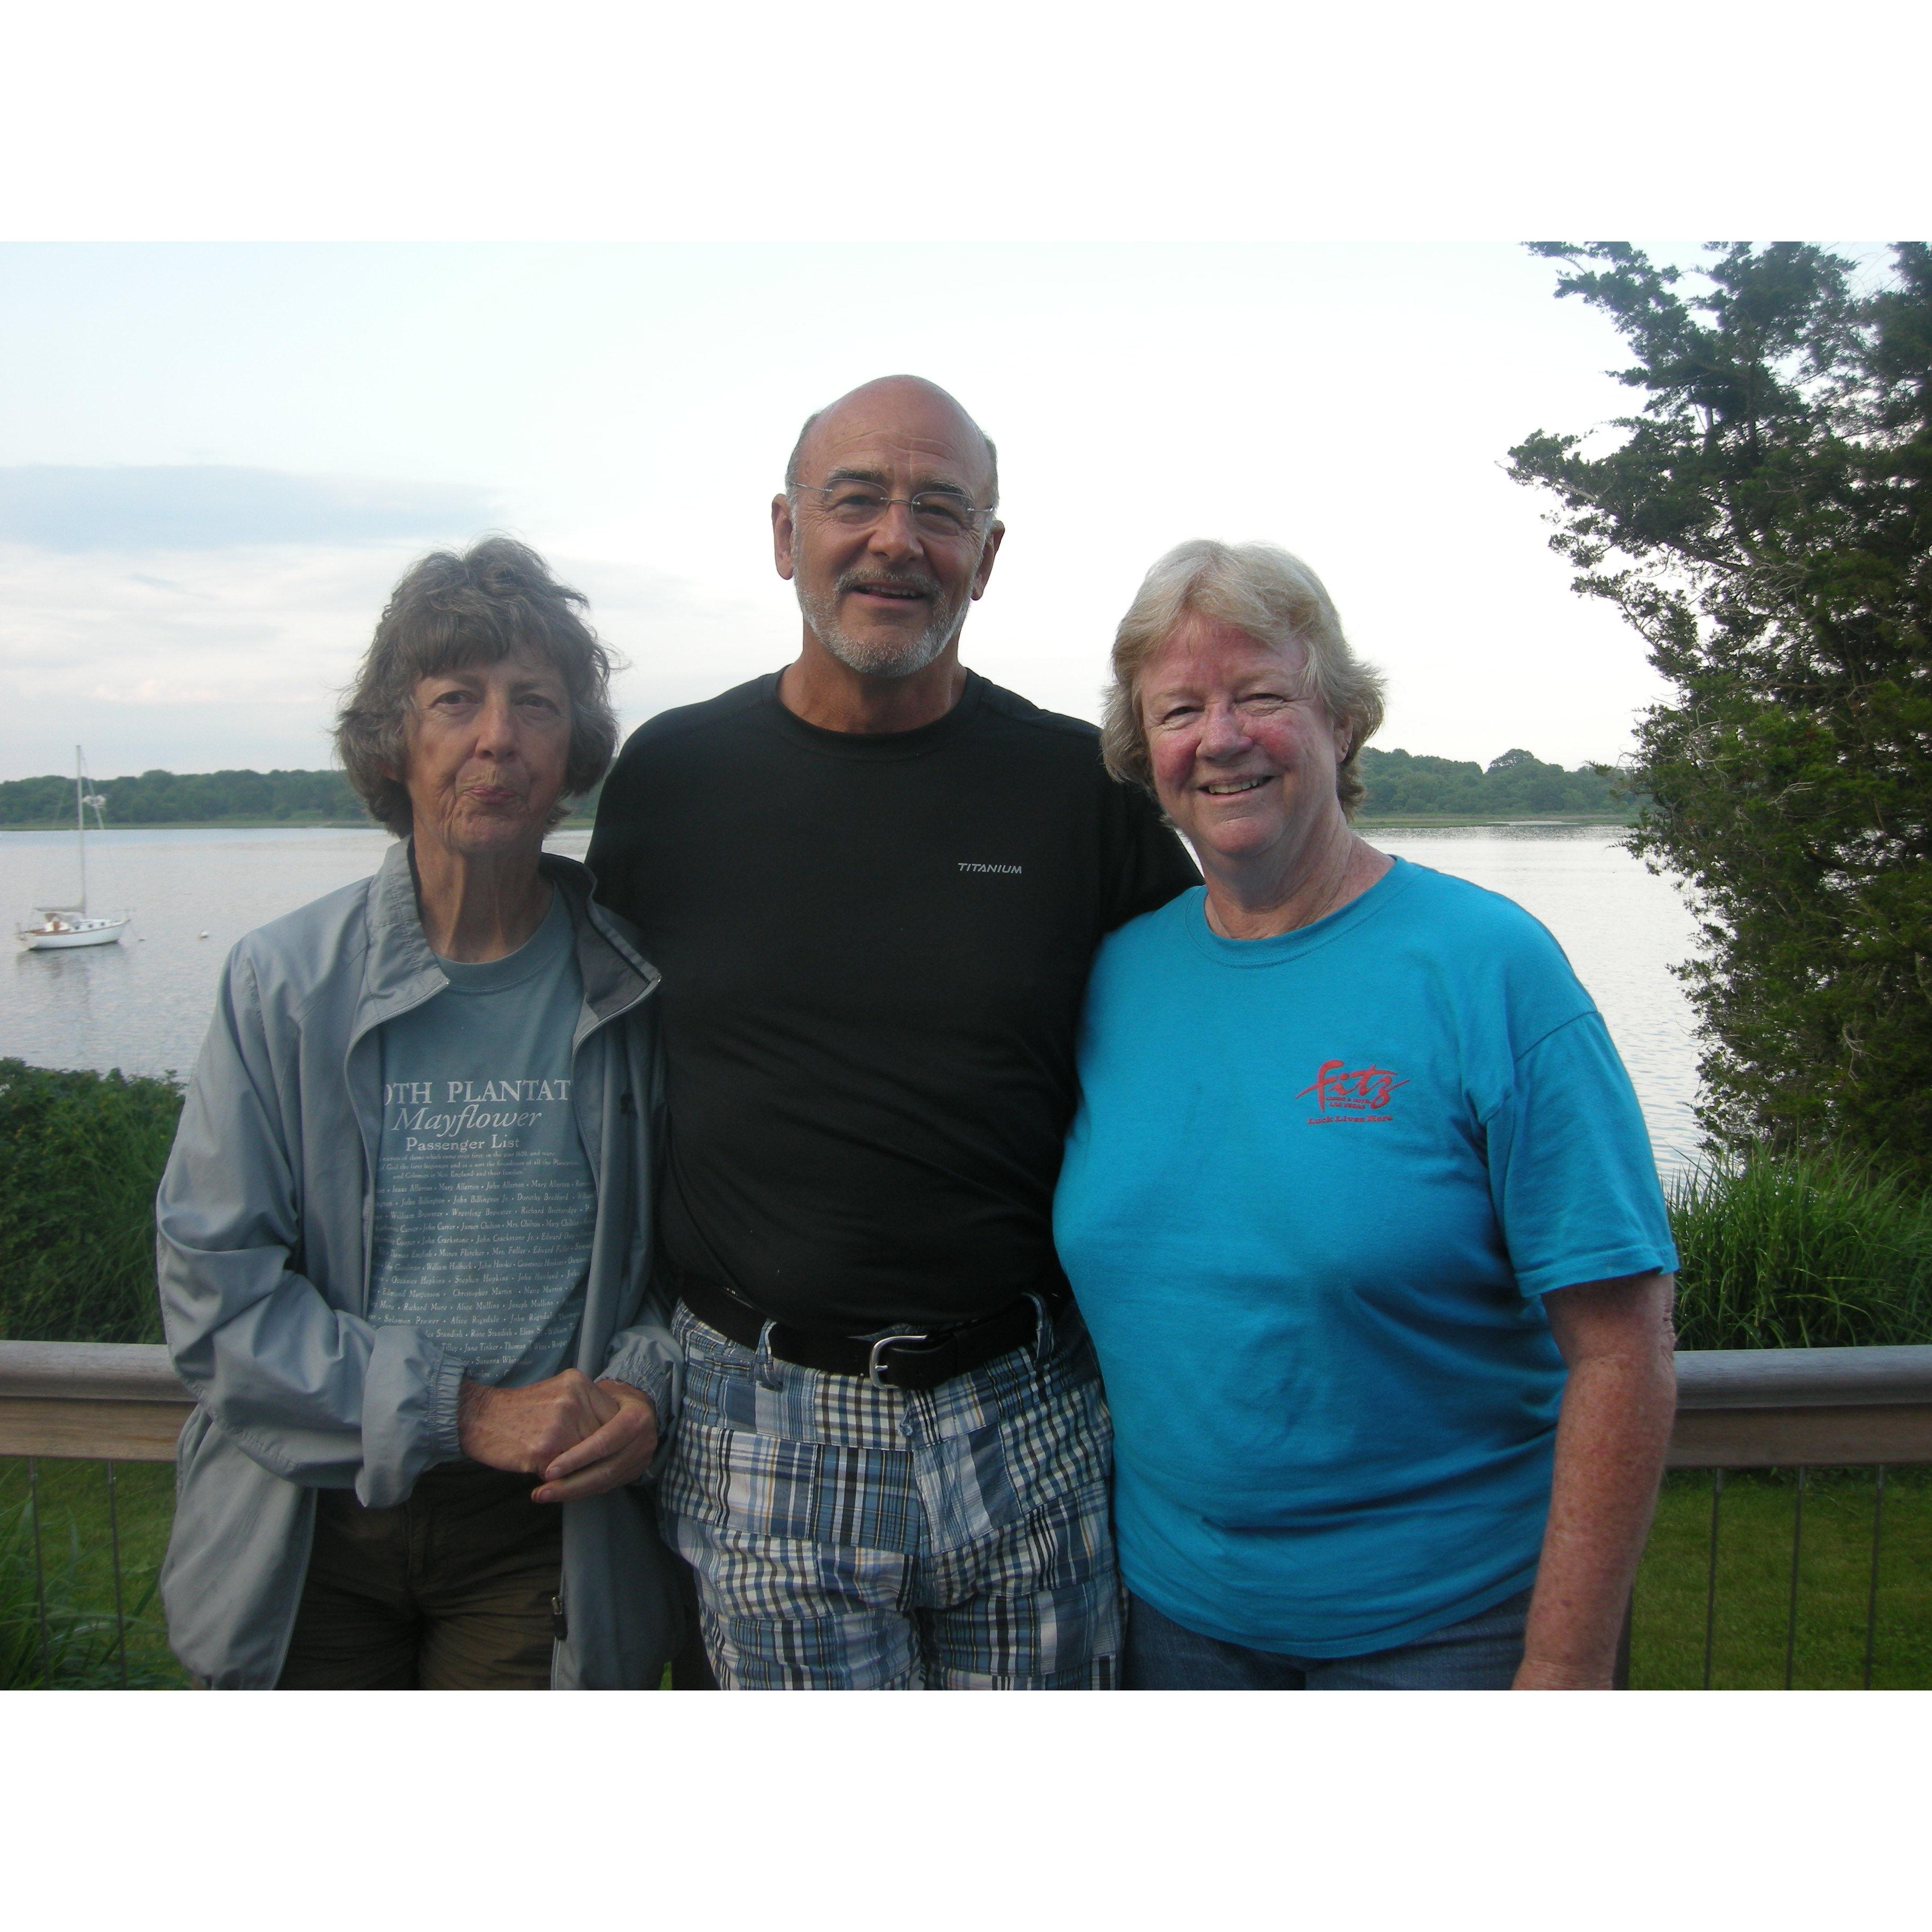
(401, 971)
(615, 975)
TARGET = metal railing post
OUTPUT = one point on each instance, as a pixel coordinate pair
(1871, 1592)
(1797, 1544)
(39, 1571)
(1711, 1583)
(120, 1612)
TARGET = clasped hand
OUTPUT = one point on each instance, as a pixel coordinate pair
(581, 1437)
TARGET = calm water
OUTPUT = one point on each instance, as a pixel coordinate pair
(1624, 929)
(142, 1006)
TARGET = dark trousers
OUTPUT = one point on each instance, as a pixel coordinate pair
(450, 1591)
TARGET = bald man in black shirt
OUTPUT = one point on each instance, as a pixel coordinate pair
(874, 883)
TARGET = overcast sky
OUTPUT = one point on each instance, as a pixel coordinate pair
(215, 459)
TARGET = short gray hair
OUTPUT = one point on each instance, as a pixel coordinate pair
(452, 611)
(1274, 597)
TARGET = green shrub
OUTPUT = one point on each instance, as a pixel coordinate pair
(81, 1155)
(1815, 1251)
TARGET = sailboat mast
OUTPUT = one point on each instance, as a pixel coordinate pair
(80, 827)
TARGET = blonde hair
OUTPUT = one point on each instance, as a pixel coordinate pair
(1276, 600)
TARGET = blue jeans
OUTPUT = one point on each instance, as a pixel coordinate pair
(1480, 1654)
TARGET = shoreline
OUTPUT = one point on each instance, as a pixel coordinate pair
(1419, 821)
(293, 824)
(1409, 821)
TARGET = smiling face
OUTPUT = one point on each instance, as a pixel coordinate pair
(1242, 762)
(888, 599)
(489, 746)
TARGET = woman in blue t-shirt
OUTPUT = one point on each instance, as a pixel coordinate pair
(1358, 1205)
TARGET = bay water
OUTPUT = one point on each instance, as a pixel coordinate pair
(143, 1005)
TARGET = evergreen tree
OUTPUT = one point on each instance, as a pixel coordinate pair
(1765, 522)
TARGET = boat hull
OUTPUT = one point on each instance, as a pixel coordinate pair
(95, 932)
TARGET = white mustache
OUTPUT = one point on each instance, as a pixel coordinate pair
(925, 586)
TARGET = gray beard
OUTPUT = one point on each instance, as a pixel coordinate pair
(880, 659)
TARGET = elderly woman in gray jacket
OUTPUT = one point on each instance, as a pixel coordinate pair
(404, 1231)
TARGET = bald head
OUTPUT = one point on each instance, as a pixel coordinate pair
(909, 406)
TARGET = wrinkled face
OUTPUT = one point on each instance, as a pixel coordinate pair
(886, 599)
(1242, 763)
(489, 746)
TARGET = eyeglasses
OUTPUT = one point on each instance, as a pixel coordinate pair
(935, 513)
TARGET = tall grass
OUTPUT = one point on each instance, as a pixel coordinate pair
(79, 1644)
(81, 1155)
(1817, 1251)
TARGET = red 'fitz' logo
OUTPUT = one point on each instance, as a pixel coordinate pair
(1344, 1092)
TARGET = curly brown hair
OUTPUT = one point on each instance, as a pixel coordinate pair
(452, 611)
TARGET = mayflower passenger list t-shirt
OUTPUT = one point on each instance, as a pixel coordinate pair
(873, 950)
(1315, 1187)
(484, 1203)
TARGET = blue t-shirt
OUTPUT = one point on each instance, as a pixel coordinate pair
(1316, 1186)
(485, 1207)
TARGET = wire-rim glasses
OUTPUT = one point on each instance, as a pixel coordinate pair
(858, 506)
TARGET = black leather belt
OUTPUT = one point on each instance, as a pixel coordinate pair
(892, 1361)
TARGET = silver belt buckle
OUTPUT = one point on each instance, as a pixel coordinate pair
(875, 1368)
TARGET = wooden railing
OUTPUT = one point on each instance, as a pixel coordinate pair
(1737, 1408)
(100, 1400)
(1780, 1409)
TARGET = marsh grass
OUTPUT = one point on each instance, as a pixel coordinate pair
(81, 1155)
(1821, 1251)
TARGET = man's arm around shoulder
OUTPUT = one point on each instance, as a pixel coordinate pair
(1152, 865)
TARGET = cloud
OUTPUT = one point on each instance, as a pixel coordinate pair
(214, 506)
(204, 661)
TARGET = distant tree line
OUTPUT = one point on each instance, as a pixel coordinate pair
(166, 798)
(1516, 784)
(1513, 785)
(190, 798)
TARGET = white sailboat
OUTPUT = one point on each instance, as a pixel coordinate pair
(63, 926)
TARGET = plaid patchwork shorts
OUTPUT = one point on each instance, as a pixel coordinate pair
(847, 1537)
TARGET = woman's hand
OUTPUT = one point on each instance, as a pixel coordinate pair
(618, 1453)
(1615, 1426)
(602, 1434)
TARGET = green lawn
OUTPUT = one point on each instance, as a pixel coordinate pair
(1667, 1640)
(1754, 1537)
(77, 1552)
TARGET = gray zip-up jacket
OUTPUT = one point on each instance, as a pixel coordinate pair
(264, 1219)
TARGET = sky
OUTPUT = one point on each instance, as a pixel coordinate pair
(239, 394)
(215, 459)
